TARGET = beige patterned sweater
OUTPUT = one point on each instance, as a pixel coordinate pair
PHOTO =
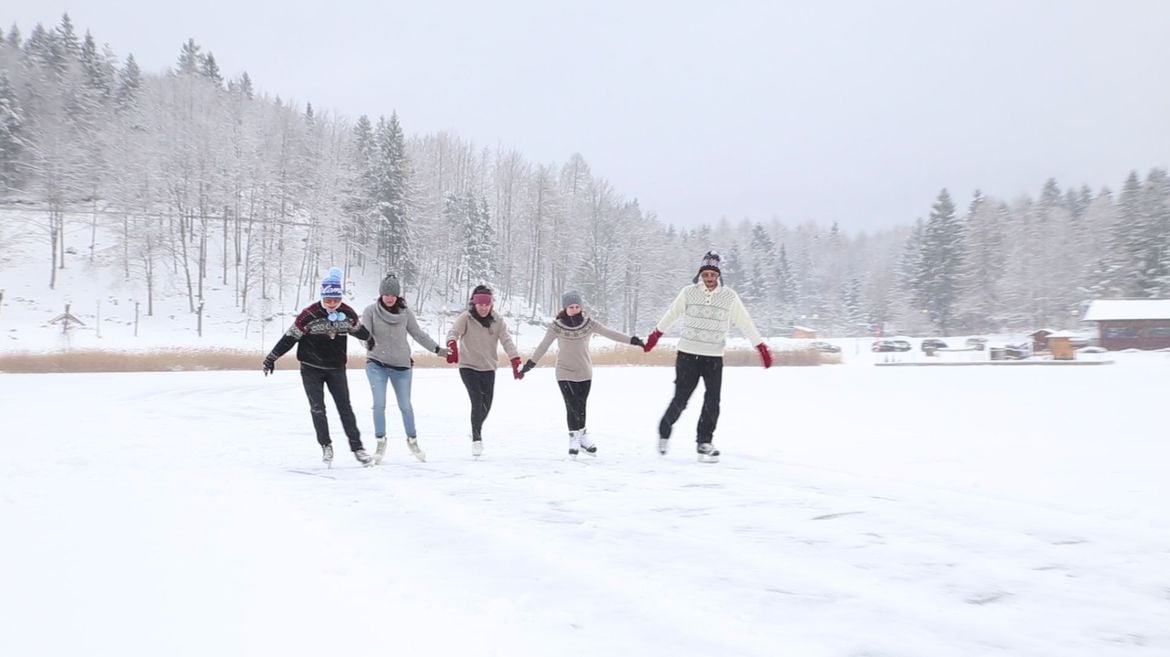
(573, 360)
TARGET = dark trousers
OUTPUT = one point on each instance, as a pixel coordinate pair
(688, 369)
(316, 380)
(576, 394)
(480, 388)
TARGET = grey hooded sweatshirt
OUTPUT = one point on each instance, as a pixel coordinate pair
(390, 330)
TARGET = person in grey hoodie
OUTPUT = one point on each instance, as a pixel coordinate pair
(472, 342)
(388, 360)
(573, 330)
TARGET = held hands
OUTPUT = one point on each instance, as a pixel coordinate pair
(527, 368)
(637, 342)
(452, 352)
(516, 373)
(269, 364)
(652, 340)
(442, 352)
(765, 355)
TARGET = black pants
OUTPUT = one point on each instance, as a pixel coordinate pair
(480, 388)
(688, 369)
(315, 380)
(576, 394)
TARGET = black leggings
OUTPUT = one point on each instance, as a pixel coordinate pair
(576, 394)
(480, 388)
(316, 380)
(688, 369)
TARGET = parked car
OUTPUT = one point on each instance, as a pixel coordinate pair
(978, 344)
(825, 347)
(1017, 351)
(933, 344)
(891, 345)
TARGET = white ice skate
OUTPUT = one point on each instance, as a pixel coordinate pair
(574, 444)
(412, 443)
(587, 443)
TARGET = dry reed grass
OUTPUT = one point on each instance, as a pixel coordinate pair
(179, 360)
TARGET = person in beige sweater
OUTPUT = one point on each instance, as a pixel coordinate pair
(472, 342)
(572, 330)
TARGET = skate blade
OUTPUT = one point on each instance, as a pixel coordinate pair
(703, 458)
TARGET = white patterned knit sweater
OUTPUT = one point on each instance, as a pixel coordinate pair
(707, 317)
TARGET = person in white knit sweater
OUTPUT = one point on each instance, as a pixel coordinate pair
(708, 310)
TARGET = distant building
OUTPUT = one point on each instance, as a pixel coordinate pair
(1131, 323)
(1040, 339)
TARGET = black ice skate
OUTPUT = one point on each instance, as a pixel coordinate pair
(363, 457)
(707, 453)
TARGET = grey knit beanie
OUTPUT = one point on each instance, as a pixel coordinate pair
(390, 286)
(570, 298)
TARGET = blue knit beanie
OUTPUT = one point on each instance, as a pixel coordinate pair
(331, 284)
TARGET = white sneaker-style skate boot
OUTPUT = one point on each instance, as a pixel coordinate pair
(587, 443)
(412, 443)
(380, 450)
(707, 453)
(663, 446)
(574, 443)
(476, 448)
(363, 457)
(327, 455)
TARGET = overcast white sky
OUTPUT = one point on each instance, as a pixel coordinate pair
(857, 112)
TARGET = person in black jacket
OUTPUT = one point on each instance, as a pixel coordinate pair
(319, 332)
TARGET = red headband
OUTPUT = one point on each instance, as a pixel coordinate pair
(483, 298)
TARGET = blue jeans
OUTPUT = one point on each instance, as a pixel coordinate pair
(378, 374)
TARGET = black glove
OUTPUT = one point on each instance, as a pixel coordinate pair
(269, 364)
(370, 343)
(527, 367)
(637, 342)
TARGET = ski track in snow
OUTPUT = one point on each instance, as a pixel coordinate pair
(189, 514)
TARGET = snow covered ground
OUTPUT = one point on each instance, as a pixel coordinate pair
(858, 511)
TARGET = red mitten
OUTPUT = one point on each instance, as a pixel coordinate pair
(652, 340)
(516, 373)
(453, 347)
(765, 355)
